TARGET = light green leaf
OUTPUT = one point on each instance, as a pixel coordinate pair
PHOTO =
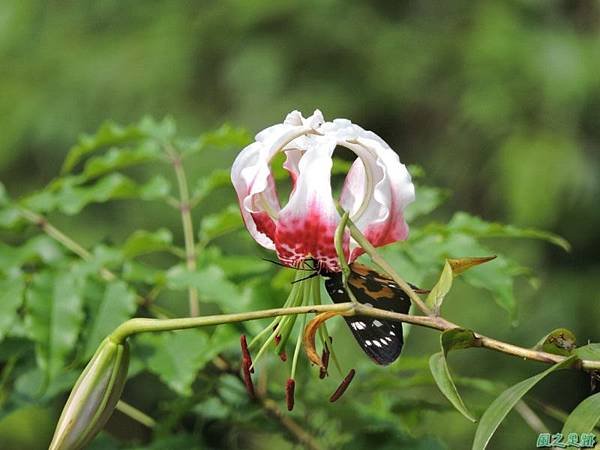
(108, 134)
(584, 417)
(428, 199)
(449, 340)
(210, 281)
(71, 197)
(38, 248)
(474, 226)
(116, 306)
(11, 298)
(54, 318)
(163, 130)
(177, 357)
(217, 179)
(215, 225)
(558, 342)
(589, 351)
(142, 242)
(135, 271)
(502, 405)
(436, 297)
(223, 137)
(120, 158)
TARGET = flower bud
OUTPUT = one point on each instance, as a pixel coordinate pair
(94, 397)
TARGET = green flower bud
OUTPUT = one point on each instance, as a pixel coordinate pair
(93, 398)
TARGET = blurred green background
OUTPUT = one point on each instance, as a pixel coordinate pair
(498, 101)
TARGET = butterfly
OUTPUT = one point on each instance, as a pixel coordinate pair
(380, 339)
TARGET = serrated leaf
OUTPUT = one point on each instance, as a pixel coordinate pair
(142, 242)
(177, 357)
(449, 340)
(118, 304)
(120, 158)
(436, 297)
(11, 299)
(38, 248)
(223, 222)
(225, 136)
(54, 318)
(584, 417)
(474, 226)
(217, 179)
(210, 281)
(163, 130)
(108, 134)
(501, 406)
(558, 342)
(135, 271)
(71, 197)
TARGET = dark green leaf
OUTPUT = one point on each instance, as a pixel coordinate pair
(54, 317)
(11, 298)
(116, 306)
(142, 242)
(502, 405)
(449, 340)
(584, 417)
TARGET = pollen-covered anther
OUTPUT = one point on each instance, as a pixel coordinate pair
(290, 387)
(310, 332)
(343, 386)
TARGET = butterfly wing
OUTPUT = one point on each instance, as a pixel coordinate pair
(380, 339)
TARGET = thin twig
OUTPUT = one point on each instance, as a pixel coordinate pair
(186, 220)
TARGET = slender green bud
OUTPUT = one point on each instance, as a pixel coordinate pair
(94, 397)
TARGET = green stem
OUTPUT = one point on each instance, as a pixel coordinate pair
(368, 247)
(186, 220)
(143, 325)
(136, 414)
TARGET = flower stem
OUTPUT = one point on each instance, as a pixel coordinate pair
(186, 220)
(136, 414)
(377, 259)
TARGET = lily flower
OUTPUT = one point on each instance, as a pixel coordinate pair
(377, 189)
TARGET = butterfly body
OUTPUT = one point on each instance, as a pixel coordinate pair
(380, 339)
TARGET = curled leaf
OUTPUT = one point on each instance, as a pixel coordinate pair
(558, 342)
(310, 332)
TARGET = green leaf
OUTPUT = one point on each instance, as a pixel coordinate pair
(163, 130)
(558, 342)
(210, 281)
(177, 357)
(584, 417)
(223, 137)
(474, 226)
(502, 405)
(142, 242)
(71, 198)
(116, 306)
(223, 222)
(39, 248)
(436, 297)
(589, 351)
(449, 340)
(108, 134)
(428, 199)
(11, 298)
(54, 317)
(120, 158)
(217, 179)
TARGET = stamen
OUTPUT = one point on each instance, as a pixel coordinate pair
(290, 386)
(342, 387)
(246, 358)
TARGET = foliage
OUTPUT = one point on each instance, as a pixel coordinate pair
(60, 300)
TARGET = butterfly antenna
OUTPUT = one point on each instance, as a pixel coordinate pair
(312, 275)
(277, 263)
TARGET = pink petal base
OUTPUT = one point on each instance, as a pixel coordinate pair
(308, 236)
